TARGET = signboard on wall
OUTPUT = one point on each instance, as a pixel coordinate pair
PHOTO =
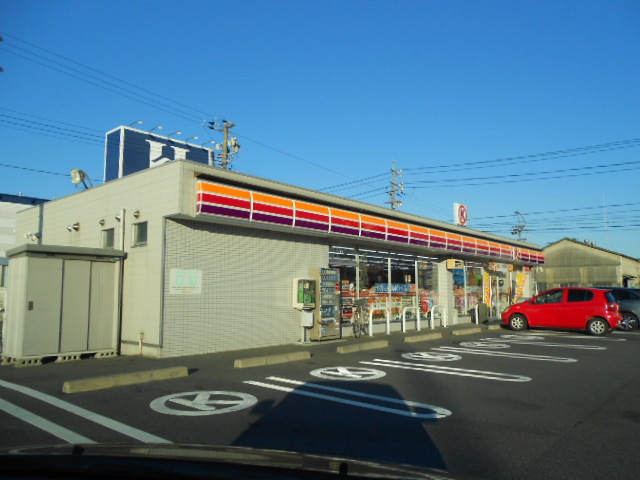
(129, 150)
(185, 282)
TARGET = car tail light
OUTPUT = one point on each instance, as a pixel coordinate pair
(612, 307)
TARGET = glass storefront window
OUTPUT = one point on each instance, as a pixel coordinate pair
(373, 279)
(393, 281)
(427, 285)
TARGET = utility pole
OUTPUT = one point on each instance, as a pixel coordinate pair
(520, 227)
(396, 188)
(229, 146)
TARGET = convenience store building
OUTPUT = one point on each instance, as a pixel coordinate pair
(209, 256)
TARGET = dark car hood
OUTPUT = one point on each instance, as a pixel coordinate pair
(195, 461)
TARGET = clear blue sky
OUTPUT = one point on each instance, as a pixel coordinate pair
(503, 105)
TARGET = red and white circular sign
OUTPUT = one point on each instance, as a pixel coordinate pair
(463, 214)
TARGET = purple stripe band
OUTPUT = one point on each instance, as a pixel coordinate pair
(369, 234)
(265, 217)
(312, 225)
(228, 212)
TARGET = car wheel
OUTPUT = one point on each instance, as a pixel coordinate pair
(518, 322)
(629, 321)
(598, 326)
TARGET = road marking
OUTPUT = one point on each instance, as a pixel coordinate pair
(621, 332)
(348, 373)
(502, 377)
(203, 403)
(569, 335)
(432, 411)
(432, 356)
(522, 337)
(86, 414)
(499, 341)
(493, 353)
(494, 345)
(43, 424)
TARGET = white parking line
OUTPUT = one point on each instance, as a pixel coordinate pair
(493, 353)
(42, 423)
(541, 335)
(432, 411)
(501, 377)
(540, 344)
(87, 414)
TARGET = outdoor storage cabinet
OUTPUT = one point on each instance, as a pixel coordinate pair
(61, 301)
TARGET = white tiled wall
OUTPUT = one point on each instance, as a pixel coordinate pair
(246, 287)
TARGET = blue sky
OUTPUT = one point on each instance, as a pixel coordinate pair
(528, 106)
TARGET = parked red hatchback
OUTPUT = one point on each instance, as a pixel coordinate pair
(571, 308)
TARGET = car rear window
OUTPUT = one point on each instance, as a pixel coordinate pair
(579, 295)
(610, 297)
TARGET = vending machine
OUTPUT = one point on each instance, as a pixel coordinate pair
(327, 317)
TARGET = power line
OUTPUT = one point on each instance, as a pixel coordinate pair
(499, 162)
(34, 170)
(552, 155)
(104, 74)
(564, 210)
(130, 94)
(518, 177)
(57, 122)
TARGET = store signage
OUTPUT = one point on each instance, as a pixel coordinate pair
(460, 214)
(129, 150)
(239, 204)
(395, 288)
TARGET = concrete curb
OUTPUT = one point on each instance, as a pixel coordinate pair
(494, 327)
(271, 359)
(467, 331)
(422, 338)
(101, 383)
(359, 347)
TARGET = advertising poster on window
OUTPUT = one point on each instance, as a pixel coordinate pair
(486, 283)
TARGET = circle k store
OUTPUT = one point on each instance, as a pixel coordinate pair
(213, 260)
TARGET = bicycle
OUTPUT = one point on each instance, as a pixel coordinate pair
(358, 318)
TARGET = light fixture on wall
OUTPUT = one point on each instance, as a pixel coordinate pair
(175, 133)
(136, 214)
(159, 127)
(74, 228)
(32, 236)
(137, 122)
(101, 222)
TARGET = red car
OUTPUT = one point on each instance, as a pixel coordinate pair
(592, 309)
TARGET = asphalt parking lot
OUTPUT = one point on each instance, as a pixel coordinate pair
(486, 402)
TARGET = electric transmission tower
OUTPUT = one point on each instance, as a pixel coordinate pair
(397, 187)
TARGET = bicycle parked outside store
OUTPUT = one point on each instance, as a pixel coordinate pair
(359, 317)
